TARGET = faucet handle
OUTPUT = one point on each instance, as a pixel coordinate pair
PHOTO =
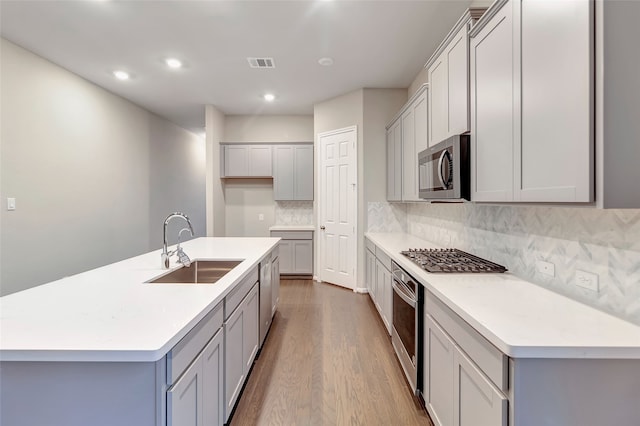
(182, 257)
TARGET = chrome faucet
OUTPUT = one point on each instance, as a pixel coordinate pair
(182, 256)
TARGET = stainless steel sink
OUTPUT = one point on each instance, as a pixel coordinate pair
(200, 272)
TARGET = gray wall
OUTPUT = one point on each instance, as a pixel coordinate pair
(77, 160)
(214, 122)
(268, 128)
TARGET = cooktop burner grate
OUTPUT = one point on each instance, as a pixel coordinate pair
(451, 260)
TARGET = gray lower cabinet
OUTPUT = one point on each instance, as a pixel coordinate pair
(379, 282)
(438, 373)
(275, 283)
(196, 398)
(296, 252)
(241, 345)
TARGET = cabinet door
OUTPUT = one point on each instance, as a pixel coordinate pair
(265, 296)
(477, 402)
(286, 256)
(302, 256)
(275, 285)
(233, 359)
(184, 398)
(409, 157)
(557, 108)
(370, 273)
(283, 172)
(260, 160)
(457, 57)
(383, 293)
(213, 381)
(236, 160)
(251, 328)
(394, 162)
(492, 121)
(303, 176)
(438, 100)
(439, 366)
(420, 124)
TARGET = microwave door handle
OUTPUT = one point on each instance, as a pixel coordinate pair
(440, 162)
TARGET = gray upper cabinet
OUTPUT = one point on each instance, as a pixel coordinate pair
(394, 161)
(293, 172)
(448, 75)
(241, 160)
(532, 124)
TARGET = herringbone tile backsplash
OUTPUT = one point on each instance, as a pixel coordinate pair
(294, 213)
(604, 242)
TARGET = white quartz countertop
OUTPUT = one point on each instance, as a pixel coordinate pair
(292, 228)
(520, 318)
(112, 314)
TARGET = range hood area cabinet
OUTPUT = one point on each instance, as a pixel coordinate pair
(448, 76)
(289, 164)
(406, 137)
(532, 109)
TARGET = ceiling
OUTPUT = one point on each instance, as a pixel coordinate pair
(374, 44)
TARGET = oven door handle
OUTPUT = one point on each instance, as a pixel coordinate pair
(410, 300)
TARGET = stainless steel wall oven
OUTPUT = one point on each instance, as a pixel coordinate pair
(406, 333)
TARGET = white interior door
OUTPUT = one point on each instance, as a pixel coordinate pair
(337, 202)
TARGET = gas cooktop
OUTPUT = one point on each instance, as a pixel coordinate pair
(451, 260)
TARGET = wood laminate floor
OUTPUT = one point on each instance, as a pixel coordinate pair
(327, 361)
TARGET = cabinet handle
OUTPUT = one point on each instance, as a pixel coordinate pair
(322, 227)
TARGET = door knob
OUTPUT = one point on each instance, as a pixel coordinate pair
(322, 227)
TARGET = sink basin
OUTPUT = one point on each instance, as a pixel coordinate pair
(200, 272)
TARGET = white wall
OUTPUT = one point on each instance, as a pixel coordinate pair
(77, 160)
(268, 128)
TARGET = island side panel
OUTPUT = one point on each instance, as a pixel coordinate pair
(574, 392)
(80, 394)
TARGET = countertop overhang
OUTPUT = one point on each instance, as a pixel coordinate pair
(520, 318)
(112, 314)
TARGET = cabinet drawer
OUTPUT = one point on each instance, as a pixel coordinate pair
(186, 350)
(234, 298)
(370, 246)
(293, 235)
(383, 258)
(490, 359)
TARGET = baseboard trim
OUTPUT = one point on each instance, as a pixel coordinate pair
(362, 290)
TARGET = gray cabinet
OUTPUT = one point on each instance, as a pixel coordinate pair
(438, 373)
(241, 160)
(379, 282)
(213, 379)
(293, 172)
(525, 146)
(275, 284)
(184, 398)
(295, 252)
(241, 339)
(266, 289)
(370, 272)
(394, 162)
(448, 76)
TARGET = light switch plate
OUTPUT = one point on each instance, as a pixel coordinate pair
(587, 280)
(546, 268)
(261, 216)
(11, 204)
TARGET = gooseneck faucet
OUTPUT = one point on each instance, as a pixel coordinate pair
(166, 255)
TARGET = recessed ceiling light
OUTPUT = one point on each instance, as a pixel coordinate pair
(269, 97)
(173, 63)
(121, 75)
(325, 62)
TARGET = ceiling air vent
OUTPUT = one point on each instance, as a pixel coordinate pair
(261, 62)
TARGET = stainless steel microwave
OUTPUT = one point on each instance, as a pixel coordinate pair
(443, 170)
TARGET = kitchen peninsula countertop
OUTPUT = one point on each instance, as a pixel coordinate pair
(520, 318)
(112, 314)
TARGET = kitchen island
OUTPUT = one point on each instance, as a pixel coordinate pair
(107, 347)
(499, 350)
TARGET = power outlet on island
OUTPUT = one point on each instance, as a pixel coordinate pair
(546, 268)
(587, 280)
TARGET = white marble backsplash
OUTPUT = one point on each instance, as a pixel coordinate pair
(604, 242)
(294, 213)
(386, 217)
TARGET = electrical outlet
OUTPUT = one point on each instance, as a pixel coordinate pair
(546, 268)
(260, 217)
(587, 280)
(11, 204)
